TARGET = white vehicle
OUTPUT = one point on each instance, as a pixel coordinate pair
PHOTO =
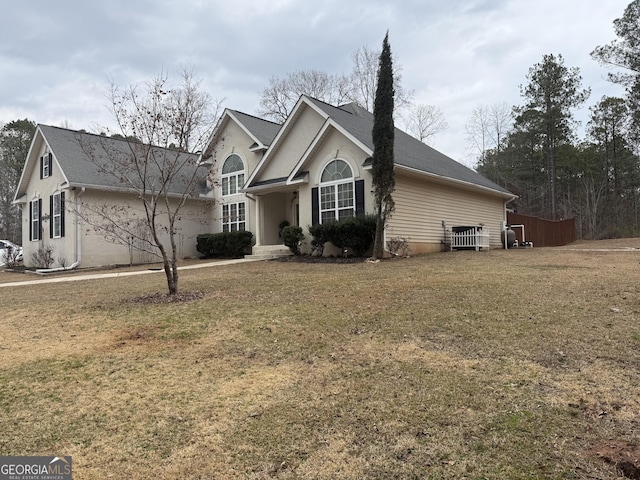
(9, 252)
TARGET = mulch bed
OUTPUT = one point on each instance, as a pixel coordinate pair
(318, 259)
(160, 298)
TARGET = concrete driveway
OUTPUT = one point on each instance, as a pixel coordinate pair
(94, 276)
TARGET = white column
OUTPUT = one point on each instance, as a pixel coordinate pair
(258, 220)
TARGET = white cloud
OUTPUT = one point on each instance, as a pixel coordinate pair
(56, 58)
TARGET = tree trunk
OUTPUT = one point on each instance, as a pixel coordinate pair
(378, 242)
(171, 271)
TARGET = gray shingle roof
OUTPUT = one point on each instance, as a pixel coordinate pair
(408, 151)
(263, 130)
(80, 155)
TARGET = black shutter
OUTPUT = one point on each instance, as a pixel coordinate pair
(51, 216)
(39, 233)
(62, 214)
(30, 220)
(315, 206)
(359, 197)
(41, 166)
(50, 160)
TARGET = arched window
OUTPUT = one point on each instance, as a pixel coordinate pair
(233, 213)
(337, 193)
(232, 175)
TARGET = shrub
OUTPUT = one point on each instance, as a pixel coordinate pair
(43, 257)
(292, 236)
(224, 245)
(281, 227)
(10, 257)
(399, 246)
(355, 233)
(319, 237)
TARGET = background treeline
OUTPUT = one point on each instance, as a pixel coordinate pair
(533, 149)
(15, 139)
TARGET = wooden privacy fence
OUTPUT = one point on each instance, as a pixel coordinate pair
(543, 233)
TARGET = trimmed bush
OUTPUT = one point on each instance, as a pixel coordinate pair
(224, 245)
(292, 236)
(319, 237)
(355, 233)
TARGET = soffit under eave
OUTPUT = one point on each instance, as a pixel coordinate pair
(129, 191)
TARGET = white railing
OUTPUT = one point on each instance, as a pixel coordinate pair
(475, 237)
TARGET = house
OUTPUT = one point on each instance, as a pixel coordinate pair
(316, 167)
(65, 194)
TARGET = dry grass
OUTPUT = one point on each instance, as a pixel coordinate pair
(518, 364)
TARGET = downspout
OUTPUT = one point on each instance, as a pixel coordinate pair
(78, 242)
(505, 222)
(78, 230)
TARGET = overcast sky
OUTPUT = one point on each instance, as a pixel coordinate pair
(57, 58)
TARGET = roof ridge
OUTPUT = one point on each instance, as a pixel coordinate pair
(113, 139)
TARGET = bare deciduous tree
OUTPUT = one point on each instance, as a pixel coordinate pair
(487, 128)
(425, 121)
(278, 99)
(364, 78)
(150, 160)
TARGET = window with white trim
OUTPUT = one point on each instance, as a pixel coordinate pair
(234, 217)
(45, 165)
(337, 192)
(35, 216)
(232, 175)
(56, 215)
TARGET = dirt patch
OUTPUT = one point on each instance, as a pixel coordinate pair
(624, 456)
(318, 259)
(140, 334)
(160, 298)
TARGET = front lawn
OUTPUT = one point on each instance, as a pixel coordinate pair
(478, 365)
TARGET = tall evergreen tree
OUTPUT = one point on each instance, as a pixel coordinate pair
(553, 90)
(624, 53)
(383, 141)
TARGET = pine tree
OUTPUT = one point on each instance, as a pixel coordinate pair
(553, 90)
(383, 140)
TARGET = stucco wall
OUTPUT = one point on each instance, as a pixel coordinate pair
(233, 140)
(37, 188)
(293, 145)
(100, 248)
(334, 146)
